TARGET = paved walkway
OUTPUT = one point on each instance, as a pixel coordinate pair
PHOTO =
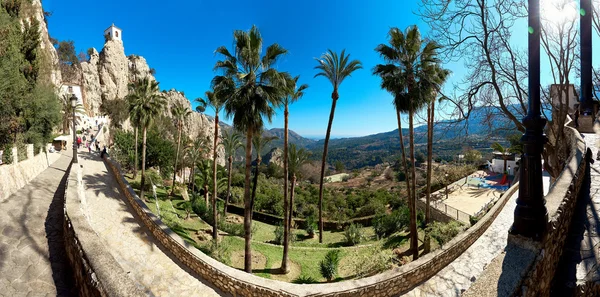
(581, 260)
(155, 270)
(32, 255)
(460, 274)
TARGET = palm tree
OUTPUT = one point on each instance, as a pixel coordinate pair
(223, 88)
(504, 151)
(203, 177)
(410, 61)
(134, 117)
(256, 96)
(430, 88)
(231, 141)
(194, 153)
(335, 68)
(297, 158)
(294, 93)
(180, 114)
(258, 142)
(67, 112)
(148, 103)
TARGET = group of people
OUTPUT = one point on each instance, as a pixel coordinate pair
(91, 144)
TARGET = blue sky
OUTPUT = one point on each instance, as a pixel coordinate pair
(178, 39)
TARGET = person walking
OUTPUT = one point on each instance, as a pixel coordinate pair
(576, 117)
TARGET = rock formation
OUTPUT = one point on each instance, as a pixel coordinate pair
(113, 70)
(45, 44)
(274, 156)
(92, 91)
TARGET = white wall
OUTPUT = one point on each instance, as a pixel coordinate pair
(554, 92)
(498, 166)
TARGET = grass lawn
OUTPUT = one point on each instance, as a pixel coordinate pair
(305, 254)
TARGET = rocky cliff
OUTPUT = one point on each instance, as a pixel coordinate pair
(46, 46)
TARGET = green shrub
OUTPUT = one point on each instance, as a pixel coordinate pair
(388, 224)
(233, 229)
(305, 279)
(311, 226)
(353, 234)
(152, 176)
(279, 234)
(442, 232)
(369, 261)
(473, 220)
(329, 265)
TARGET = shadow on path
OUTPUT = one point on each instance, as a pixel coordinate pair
(578, 246)
(61, 270)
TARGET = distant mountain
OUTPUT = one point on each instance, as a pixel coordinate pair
(484, 126)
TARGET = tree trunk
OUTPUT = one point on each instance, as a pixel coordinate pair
(292, 188)
(192, 181)
(404, 162)
(135, 164)
(286, 225)
(206, 194)
(176, 158)
(247, 206)
(414, 244)
(334, 97)
(430, 114)
(505, 161)
(143, 164)
(255, 181)
(229, 165)
(214, 196)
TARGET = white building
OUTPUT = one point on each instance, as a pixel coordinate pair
(568, 93)
(113, 32)
(497, 164)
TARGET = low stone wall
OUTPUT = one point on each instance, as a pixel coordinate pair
(560, 202)
(97, 273)
(389, 283)
(16, 175)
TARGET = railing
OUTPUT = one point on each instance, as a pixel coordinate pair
(451, 211)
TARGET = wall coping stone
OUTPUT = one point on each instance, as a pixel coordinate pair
(110, 278)
(382, 284)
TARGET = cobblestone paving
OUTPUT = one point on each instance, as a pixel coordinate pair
(32, 255)
(156, 272)
(580, 261)
(458, 276)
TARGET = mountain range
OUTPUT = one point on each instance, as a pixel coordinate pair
(484, 126)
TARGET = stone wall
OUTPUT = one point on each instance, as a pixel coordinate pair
(97, 273)
(560, 202)
(389, 283)
(19, 173)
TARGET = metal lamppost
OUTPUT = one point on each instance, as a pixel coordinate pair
(531, 215)
(73, 105)
(585, 41)
(508, 173)
(446, 186)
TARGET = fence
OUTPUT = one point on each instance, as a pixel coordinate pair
(451, 211)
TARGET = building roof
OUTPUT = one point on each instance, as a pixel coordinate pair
(113, 25)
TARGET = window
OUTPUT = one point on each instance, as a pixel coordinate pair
(116, 33)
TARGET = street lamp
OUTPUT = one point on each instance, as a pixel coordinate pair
(508, 170)
(531, 215)
(73, 105)
(446, 186)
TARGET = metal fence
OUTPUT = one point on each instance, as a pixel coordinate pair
(451, 211)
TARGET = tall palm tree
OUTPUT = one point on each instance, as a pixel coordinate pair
(180, 114)
(231, 141)
(148, 103)
(256, 96)
(430, 88)
(335, 68)
(410, 61)
(216, 99)
(297, 158)
(294, 93)
(259, 142)
(134, 117)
